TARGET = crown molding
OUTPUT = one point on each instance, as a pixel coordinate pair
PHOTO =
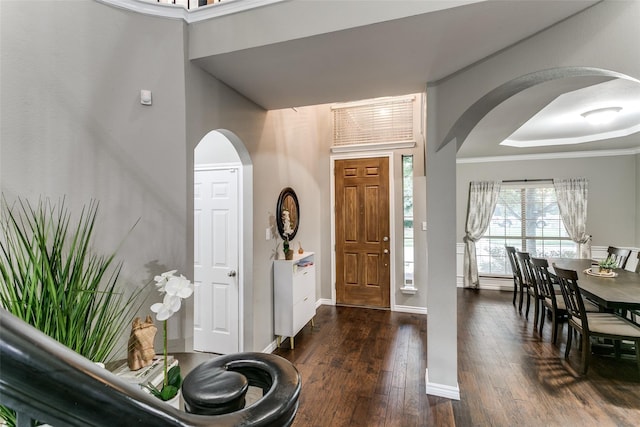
(551, 156)
(163, 10)
(177, 11)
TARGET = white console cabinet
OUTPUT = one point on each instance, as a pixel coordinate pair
(294, 294)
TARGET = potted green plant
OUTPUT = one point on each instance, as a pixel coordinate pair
(175, 289)
(51, 278)
(607, 265)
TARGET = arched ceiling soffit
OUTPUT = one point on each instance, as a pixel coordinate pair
(476, 112)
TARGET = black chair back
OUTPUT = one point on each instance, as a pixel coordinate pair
(515, 267)
(526, 270)
(568, 280)
(621, 256)
(543, 278)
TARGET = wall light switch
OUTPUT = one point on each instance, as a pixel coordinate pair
(145, 97)
(424, 225)
(268, 235)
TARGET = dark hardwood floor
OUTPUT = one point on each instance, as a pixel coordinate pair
(363, 367)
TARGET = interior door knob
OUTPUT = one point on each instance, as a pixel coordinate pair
(232, 273)
(386, 251)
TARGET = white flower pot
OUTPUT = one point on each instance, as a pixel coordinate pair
(175, 402)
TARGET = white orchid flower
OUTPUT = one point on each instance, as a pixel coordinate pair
(286, 223)
(179, 286)
(169, 305)
(174, 289)
(162, 279)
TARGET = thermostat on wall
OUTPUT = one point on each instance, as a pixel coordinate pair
(145, 97)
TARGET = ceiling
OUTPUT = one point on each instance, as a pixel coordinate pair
(399, 56)
(551, 113)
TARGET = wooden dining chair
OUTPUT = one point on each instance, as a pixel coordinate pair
(530, 286)
(634, 315)
(550, 300)
(517, 275)
(621, 256)
(604, 325)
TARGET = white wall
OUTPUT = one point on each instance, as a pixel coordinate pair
(215, 148)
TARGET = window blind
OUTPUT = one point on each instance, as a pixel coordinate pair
(526, 217)
(385, 120)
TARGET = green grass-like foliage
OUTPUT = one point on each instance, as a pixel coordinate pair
(51, 279)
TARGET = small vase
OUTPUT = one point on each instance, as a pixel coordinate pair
(288, 255)
(175, 400)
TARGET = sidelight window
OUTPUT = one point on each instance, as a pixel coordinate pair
(407, 205)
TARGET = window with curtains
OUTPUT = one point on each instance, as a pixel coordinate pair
(526, 217)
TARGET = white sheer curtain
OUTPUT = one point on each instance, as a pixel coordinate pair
(483, 196)
(572, 201)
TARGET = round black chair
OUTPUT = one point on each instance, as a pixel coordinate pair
(219, 387)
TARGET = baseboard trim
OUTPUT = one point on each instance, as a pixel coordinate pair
(441, 390)
(398, 308)
(410, 309)
(271, 347)
(496, 287)
(490, 284)
(324, 301)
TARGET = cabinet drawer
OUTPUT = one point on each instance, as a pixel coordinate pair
(302, 313)
(304, 284)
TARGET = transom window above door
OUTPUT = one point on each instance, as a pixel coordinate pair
(374, 124)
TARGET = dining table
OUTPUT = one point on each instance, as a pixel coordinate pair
(621, 292)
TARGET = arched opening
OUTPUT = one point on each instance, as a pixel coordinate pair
(478, 110)
(223, 246)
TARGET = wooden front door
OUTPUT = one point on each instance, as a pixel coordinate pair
(362, 231)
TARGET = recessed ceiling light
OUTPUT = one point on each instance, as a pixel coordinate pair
(601, 116)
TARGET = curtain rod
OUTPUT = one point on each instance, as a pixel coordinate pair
(528, 180)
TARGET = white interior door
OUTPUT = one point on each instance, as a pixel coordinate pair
(216, 304)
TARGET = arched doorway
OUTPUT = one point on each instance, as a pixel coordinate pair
(478, 110)
(223, 249)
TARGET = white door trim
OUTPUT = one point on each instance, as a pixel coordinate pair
(239, 169)
(245, 210)
(218, 166)
(392, 271)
